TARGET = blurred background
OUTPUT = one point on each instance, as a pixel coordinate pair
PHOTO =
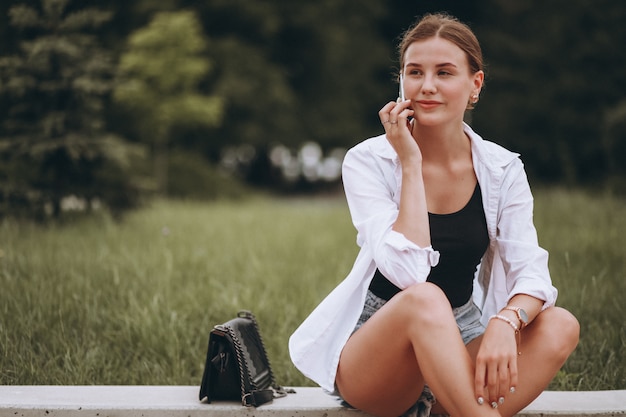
(111, 103)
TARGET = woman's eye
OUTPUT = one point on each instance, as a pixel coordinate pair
(444, 73)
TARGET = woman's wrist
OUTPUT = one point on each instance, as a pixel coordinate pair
(411, 166)
(506, 320)
(511, 316)
(511, 323)
(516, 314)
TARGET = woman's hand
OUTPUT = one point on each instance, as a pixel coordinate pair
(496, 363)
(412, 220)
(394, 117)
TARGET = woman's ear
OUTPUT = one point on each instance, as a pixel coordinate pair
(479, 79)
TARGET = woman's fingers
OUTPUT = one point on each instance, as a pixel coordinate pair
(503, 382)
(492, 383)
(479, 383)
(493, 380)
(384, 113)
(393, 113)
(394, 117)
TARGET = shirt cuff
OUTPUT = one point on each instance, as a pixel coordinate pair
(398, 241)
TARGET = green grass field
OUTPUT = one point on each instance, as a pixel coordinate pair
(100, 302)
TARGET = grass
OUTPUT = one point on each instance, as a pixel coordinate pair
(586, 237)
(100, 302)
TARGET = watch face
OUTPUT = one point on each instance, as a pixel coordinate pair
(523, 315)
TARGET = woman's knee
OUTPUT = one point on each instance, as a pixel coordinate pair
(561, 331)
(424, 302)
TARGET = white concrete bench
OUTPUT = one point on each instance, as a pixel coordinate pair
(182, 401)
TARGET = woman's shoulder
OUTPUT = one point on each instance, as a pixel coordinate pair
(373, 146)
(490, 153)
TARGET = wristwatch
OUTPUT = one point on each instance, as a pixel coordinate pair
(521, 315)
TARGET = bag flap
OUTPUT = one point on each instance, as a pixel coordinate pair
(252, 351)
(237, 366)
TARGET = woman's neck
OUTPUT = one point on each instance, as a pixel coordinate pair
(441, 144)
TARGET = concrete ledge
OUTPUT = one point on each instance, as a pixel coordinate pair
(182, 401)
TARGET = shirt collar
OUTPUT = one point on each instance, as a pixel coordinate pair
(489, 154)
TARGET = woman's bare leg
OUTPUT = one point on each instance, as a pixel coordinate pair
(546, 344)
(411, 339)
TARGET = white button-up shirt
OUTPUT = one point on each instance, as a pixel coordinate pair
(513, 263)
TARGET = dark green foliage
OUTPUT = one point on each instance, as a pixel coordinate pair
(159, 74)
(555, 85)
(53, 141)
(285, 73)
(297, 71)
(190, 177)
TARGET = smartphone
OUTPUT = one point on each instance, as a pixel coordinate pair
(401, 96)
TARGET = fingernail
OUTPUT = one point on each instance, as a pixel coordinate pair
(501, 400)
(481, 400)
(494, 405)
(512, 390)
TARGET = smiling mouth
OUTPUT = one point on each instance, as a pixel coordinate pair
(428, 104)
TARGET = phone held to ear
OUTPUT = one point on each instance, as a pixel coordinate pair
(401, 96)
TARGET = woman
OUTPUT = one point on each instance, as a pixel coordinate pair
(450, 294)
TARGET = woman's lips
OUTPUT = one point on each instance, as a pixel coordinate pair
(428, 104)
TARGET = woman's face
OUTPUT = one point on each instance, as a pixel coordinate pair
(438, 81)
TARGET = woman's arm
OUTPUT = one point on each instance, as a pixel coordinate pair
(527, 284)
(412, 220)
(525, 262)
(387, 223)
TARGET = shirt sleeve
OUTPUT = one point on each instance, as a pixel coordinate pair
(525, 262)
(371, 183)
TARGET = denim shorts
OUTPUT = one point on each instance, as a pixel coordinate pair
(467, 316)
(467, 320)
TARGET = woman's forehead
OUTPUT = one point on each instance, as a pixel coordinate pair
(434, 51)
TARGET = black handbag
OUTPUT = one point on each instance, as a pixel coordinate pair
(237, 367)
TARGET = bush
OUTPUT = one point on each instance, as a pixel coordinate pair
(192, 177)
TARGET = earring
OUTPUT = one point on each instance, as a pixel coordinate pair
(474, 98)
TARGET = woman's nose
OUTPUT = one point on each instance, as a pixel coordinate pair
(428, 85)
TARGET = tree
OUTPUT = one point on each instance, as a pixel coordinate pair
(555, 77)
(614, 146)
(160, 74)
(53, 142)
(294, 72)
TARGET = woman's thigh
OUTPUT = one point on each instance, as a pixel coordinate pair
(378, 370)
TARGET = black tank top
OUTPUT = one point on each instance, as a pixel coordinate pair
(461, 239)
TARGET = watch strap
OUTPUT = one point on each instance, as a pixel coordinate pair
(522, 322)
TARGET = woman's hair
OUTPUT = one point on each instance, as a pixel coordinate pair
(448, 28)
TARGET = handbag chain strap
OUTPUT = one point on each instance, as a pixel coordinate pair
(278, 390)
(240, 363)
